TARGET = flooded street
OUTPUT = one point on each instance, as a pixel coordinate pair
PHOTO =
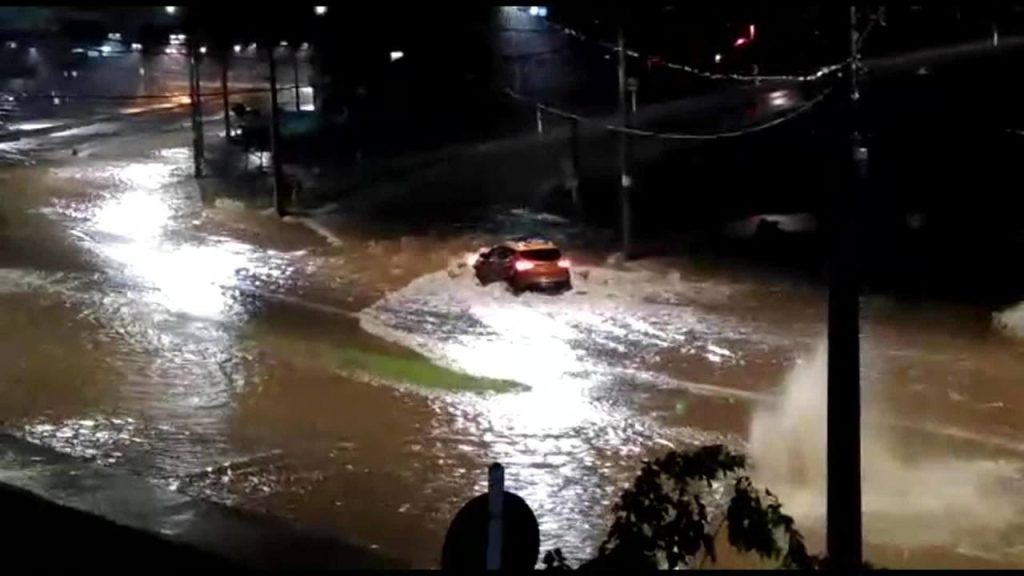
(361, 384)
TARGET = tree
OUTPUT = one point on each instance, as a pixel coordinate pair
(662, 521)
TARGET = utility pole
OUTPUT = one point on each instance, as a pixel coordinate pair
(574, 159)
(225, 62)
(625, 180)
(146, 70)
(197, 109)
(844, 522)
(495, 515)
(275, 137)
(298, 97)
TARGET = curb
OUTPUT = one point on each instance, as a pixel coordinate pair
(19, 134)
(90, 503)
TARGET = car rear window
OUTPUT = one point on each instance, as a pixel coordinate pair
(542, 255)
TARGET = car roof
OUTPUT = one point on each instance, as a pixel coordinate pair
(520, 244)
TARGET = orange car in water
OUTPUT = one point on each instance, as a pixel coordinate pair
(526, 264)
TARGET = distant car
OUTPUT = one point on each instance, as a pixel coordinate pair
(771, 100)
(525, 264)
(781, 98)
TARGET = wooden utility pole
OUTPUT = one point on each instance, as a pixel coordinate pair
(298, 96)
(198, 149)
(625, 180)
(224, 93)
(275, 137)
(844, 522)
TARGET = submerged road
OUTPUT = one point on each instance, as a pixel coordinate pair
(363, 384)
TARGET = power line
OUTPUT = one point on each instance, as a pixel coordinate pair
(671, 135)
(820, 73)
(719, 135)
(713, 75)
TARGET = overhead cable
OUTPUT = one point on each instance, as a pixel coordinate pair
(820, 73)
(672, 135)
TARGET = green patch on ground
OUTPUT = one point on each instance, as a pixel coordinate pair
(348, 350)
(416, 372)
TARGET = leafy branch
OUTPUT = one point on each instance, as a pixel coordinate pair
(662, 521)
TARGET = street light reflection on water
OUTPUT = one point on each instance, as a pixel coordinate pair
(544, 435)
(188, 277)
(168, 306)
(560, 440)
(178, 298)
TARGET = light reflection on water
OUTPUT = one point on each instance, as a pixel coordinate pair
(136, 226)
(192, 280)
(174, 300)
(188, 277)
(574, 439)
(540, 435)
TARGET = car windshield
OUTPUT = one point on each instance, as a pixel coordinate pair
(542, 255)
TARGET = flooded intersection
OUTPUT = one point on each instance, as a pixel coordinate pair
(362, 385)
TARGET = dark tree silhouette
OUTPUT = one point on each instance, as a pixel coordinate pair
(661, 521)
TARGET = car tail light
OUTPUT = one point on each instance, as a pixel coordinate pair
(564, 263)
(523, 265)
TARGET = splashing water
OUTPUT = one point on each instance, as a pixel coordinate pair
(1011, 320)
(959, 504)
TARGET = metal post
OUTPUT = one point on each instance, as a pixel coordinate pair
(275, 137)
(298, 96)
(625, 180)
(844, 523)
(574, 157)
(495, 503)
(314, 78)
(148, 75)
(224, 93)
(197, 111)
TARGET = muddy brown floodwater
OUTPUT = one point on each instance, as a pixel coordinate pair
(361, 384)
